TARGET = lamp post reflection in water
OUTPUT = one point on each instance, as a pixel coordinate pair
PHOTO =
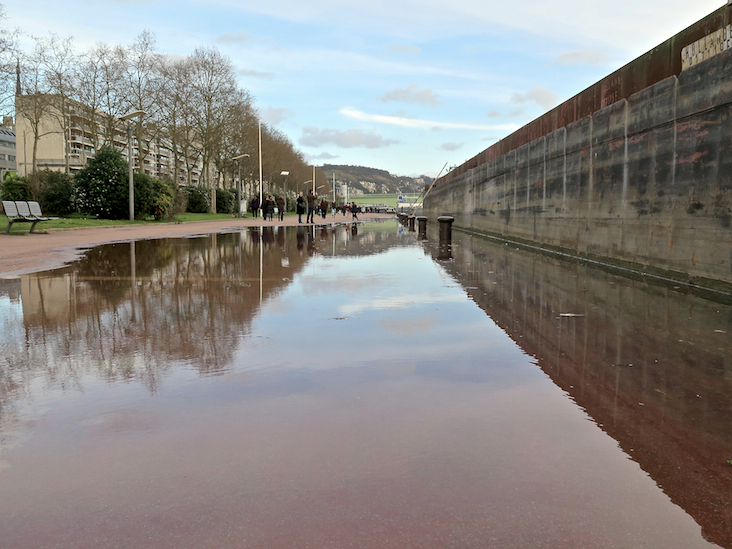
(133, 278)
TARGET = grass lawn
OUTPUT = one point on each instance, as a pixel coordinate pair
(79, 221)
(386, 199)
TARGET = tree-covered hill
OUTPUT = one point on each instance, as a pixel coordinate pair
(361, 179)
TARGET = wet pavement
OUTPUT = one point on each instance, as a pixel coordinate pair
(356, 386)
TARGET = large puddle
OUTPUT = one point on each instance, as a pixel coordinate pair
(358, 387)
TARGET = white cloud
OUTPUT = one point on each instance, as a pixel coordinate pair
(397, 302)
(403, 48)
(228, 38)
(256, 74)
(412, 95)
(275, 116)
(580, 57)
(539, 95)
(324, 156)
(417, 123)
(314, 137)
(451, 146)
(587, 22)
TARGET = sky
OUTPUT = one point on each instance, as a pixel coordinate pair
(407, 86)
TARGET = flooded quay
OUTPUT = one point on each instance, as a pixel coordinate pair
(358, 386)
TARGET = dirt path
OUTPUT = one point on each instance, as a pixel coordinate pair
(25, 252)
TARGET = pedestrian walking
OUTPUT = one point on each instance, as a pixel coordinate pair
(323, 208)
(281, 207)
(255, 206)
(300, 207)
(354, 211)
(311, 208)
(269, 207)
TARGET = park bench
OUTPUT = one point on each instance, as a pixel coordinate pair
(24, 212)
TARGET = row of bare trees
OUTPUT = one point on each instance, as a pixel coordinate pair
(194, 106)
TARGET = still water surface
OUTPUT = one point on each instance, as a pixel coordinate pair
(358, 387)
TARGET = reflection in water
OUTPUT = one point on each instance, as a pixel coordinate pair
(652, 367)
(334, 386)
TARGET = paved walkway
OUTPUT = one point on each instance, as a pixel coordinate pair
(25, 252)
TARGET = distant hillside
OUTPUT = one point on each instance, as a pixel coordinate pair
(362, 180)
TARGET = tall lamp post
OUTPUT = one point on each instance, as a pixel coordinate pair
(126, 119)
(284, 188)
(238, 183)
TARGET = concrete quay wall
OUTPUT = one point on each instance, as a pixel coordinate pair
(644, 182)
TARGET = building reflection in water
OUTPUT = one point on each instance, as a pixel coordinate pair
(651, 366)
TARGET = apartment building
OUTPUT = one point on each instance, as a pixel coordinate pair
(7, 148)
(70, 140)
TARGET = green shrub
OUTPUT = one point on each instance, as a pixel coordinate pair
(198, 199)
(15, 188)
(225, 201)
(102, 187)
(55, 192)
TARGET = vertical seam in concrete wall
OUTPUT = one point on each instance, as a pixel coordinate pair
(528, 174)
(676, 124)
(543, 183)
(625, 158)
(515, 181)
(592, 170)
(564, 175)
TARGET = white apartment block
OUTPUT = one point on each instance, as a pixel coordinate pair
(76, 140)
(7, 149)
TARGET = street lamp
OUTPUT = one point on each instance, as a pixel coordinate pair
(284, 190)
(238, 184)
(126, 119)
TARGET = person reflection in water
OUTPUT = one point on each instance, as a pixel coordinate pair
(311, 240)
(300, 238)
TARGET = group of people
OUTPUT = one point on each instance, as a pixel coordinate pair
(303, 205)
(269, 207)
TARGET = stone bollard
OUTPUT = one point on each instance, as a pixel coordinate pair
(411, 223)
(422, 224)
(445, 227)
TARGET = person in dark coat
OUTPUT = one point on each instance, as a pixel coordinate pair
(269, 207)
(300, 206)
(281, 207)
(323, 208)
(255, 206)
(311, 208)
(354, 210)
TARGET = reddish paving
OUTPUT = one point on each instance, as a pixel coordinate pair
(23, 252)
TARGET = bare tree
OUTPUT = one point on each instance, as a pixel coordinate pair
(58, 64)
(8, 63)
(35, 105)
(98, 88)
(215, 95)
(177, 120)
(112, 62)
(143, 83)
